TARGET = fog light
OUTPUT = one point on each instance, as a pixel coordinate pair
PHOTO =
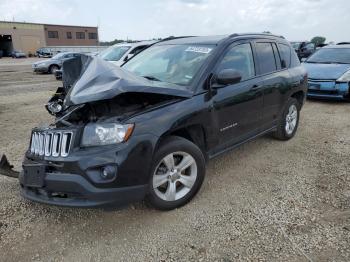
(109, 172)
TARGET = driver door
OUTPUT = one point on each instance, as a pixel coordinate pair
(238, 107)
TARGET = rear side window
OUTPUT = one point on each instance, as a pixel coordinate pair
(266, 58)
(285, 54)
(239, 57)
(294, 60)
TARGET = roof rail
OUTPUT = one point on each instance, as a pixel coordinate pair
(174, 37)
(266, 34)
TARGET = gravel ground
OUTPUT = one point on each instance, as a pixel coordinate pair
(267, 200)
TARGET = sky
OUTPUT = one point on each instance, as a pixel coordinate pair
(147, 19)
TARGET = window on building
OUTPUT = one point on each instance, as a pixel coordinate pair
(69, 35)
(92, 35)
(52, 34)
(80, 35)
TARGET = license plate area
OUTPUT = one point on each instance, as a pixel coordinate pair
(314, 86)
(34, 175)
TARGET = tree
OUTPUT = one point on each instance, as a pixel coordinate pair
(318, 40)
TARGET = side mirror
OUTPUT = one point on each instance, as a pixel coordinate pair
(228, 77)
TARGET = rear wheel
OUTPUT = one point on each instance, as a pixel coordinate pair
(177, 174)
(289, 121)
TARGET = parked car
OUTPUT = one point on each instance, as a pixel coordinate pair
(329, 72)
(120, 53)
(303, 48)
(44, 52)
(18, 54)
(147, 129)
(53, 64)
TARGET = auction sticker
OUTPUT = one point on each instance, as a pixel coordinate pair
(198, 49)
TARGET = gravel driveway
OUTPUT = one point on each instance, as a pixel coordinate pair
(267, 200)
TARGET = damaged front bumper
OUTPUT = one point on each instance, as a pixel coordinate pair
(77, 179)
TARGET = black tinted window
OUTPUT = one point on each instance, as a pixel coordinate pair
(239, 57)
(266, 58)
(285, 54)
(277, 56)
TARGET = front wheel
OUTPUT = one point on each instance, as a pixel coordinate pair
(289, 120)
(177, 174)
(53, 69)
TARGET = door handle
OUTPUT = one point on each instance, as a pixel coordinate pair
(255, 87)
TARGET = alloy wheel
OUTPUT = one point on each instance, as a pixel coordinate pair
(174, 176)
(291, 119)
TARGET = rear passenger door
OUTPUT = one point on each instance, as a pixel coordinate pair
(275, 80)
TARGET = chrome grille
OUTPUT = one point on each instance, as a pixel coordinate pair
(51, 143)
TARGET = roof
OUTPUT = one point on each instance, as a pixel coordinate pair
(336, 46)
(211, 40)
(29, 23)
(133, 44)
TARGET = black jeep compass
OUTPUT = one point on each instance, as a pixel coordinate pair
(147, 129)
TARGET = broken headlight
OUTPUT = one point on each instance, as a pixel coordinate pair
(106, 134)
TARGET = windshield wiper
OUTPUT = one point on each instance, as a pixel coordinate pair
(151, 78)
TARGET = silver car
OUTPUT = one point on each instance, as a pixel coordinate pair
(53, 64)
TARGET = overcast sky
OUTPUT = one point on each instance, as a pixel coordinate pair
(146, 19)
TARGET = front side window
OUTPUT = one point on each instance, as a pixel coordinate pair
(52, 34)
(240, 58)
(114, 53)
(266, 58)
(176, 64)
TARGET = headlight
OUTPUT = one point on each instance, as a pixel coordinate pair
(106, 134)
(345, 77)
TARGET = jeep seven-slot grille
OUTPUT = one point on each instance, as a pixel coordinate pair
(51, 143)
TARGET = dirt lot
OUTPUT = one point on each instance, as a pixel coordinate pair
(267, 200)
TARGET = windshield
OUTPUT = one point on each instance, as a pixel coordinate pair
(176, 64)
(114, 53)
(331, 55)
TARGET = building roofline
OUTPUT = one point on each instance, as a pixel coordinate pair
(30, 23)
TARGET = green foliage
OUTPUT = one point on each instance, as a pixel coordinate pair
(318, 40)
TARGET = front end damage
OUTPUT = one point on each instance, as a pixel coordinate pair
(59, 169)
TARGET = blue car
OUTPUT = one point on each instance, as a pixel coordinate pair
(329, 73)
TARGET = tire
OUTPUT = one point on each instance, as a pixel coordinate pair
(53, 69)
(163, 181)
(289, 120)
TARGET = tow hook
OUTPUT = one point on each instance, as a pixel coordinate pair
(6, 168)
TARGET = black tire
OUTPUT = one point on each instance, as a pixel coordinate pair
(170, 145)
(281, 132)
(53, 69)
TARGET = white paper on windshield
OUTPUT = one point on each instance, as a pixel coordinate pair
(198, 49)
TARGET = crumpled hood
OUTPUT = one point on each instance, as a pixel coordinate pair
(100, 80)
(325, 71)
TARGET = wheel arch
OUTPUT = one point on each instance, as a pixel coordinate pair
(194, 133)
(299, 96)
